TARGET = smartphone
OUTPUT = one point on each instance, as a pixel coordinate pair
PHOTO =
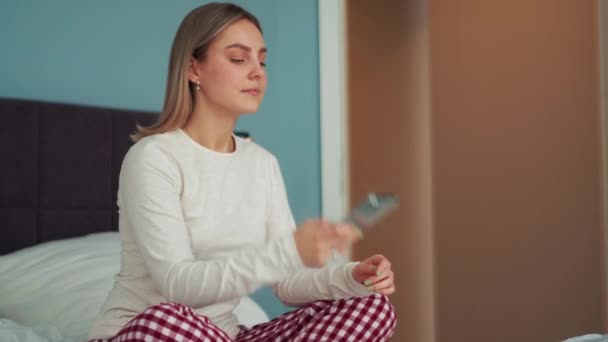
(371, 210)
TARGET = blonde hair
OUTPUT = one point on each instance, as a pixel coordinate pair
(192, 39)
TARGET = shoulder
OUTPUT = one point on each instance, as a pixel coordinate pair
(257, 152)
(154, 151)
(267, 161)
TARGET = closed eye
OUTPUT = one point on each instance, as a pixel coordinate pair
(237, 61)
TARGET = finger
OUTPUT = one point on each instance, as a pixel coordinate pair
(378, 264)
(341, 236)
(381, 285)
(383, 266)
(349, 232)
(367, 270)
(327, 232)
(387, 291)
(375, 259)
(355, 234)
(337, 236)
(376, 279)
(325, 224)
(329, 241)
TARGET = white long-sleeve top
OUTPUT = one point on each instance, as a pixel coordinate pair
(204, 228)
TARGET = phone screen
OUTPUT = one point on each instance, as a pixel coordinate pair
(371, 210)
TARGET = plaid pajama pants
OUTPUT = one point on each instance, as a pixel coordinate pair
(358, 319)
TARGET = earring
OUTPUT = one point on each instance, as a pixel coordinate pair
(198, 85)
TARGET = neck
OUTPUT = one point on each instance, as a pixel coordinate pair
(211, 128)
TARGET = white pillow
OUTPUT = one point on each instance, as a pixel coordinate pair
(62, 284)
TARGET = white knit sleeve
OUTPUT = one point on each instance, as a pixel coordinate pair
(335, 281)
(149, 196)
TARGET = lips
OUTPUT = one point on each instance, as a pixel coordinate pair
(252, 92)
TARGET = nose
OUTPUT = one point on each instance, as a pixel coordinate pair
(257, 71)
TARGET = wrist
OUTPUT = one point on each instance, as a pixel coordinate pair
(357, 287)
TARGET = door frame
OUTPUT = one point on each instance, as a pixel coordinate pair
(333, 109)
(603, 68)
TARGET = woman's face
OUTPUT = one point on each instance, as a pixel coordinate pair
(233, 75)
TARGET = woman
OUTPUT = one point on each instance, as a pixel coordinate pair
(204, 217)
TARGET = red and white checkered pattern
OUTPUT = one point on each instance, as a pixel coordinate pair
(356, 319)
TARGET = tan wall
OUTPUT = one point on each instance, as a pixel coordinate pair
(517, 169)
(498, 164)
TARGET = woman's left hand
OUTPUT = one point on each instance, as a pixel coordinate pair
(375, 273)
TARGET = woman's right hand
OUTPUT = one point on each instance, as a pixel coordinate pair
(315, 239)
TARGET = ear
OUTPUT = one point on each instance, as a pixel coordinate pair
(194, 70)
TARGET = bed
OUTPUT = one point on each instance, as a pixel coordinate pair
(60, 247)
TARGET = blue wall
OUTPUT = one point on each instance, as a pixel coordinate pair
(115, 53)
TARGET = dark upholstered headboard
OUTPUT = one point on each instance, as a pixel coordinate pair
(59, 167)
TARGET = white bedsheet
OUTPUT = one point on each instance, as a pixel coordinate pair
(11, 331)
(588, 338)
(54, 291)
